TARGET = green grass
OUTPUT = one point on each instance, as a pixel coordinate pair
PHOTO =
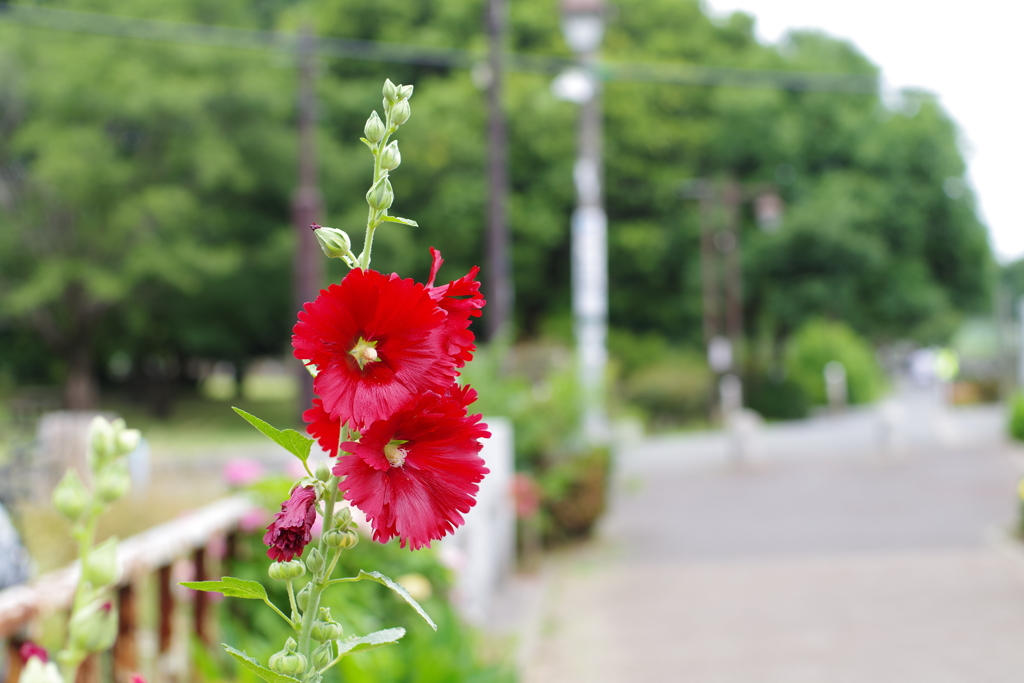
(197, 422)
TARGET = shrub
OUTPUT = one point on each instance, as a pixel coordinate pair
(820, 342)
(775, 398)
(1017, 417)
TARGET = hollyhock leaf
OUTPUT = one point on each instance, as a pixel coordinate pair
(289, 439)
(403, 221)
(398, 588)
(372, 641)
(254, 666)
(231, 587)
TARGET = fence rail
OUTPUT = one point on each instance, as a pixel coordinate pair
(152, 552)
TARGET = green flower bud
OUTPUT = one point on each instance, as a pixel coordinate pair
(283, 571)
(390, 91)
(380, 195)
(323, 471)
(101, 567)
(343, 518)
(70, 497)
(325, 627)
(113, 481)
(288, 661)
(400, 112)
(128, 441)
(323, 655)
(302, 599)
(334, 243)
(101, 440)
(404, 92)
(390, 157)
(315, 561)
(336, 538)
(374, 129)
(94, 627)
(325, 630)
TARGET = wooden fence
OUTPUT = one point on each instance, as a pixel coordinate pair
(149, 554)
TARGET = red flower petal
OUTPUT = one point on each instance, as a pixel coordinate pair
(461, 300)
(408, 333)
(321, 427)
(423, 497)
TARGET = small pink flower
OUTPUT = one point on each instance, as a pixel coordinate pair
(138, 678)
(243, 471)
(290, 531)
(29, 650)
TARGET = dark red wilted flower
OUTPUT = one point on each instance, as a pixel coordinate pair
(378, 342)
(289, 533)
(415, 473)
(461, 300)
(28, 650)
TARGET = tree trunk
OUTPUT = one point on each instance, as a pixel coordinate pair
(80, 388)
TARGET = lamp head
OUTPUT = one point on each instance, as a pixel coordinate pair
(583, 24)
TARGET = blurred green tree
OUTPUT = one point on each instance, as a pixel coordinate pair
(139, 177)
(146, 185)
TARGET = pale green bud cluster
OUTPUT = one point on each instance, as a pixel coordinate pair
(94, 627)
(326, 628)
(288, 661)
(283, 571)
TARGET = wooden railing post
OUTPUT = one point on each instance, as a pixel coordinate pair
(201, 600)
(89, 670)
(13, 659)
(165, 617)
(126, 654)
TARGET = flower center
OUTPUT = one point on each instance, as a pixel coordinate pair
(395, 454)
(364, 352)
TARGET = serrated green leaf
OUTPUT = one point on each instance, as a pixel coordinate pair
(289, 439)
(388, 636)
(253, 665)
(230, 587)
(398, 588)
(403, 221)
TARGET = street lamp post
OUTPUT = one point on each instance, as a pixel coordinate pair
(583, 27)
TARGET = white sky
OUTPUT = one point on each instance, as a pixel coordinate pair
(970, 53)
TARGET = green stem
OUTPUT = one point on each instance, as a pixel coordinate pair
(318, 581)
(373, 218)
(291, 601)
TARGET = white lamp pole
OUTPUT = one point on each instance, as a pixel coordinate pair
(583, 28)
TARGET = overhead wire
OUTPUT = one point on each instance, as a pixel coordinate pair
(421, 55)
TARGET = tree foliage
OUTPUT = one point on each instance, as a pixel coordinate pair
(146, 184)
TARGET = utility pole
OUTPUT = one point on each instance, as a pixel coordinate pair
(500, 290)
(306, 205)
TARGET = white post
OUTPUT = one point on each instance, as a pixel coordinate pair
(835, 385)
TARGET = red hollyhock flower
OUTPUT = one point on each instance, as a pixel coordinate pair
(462, 300)
(289, 533)
(321, 427)
(415, 473)
(378, 342)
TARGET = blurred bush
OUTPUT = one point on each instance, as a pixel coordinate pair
(775, 398)
(1017, 417)
(669, 385)
(534, 385)
(820, 342)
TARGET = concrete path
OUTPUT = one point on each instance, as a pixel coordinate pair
(821, 562)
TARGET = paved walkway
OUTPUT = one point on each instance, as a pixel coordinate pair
(869, 565)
